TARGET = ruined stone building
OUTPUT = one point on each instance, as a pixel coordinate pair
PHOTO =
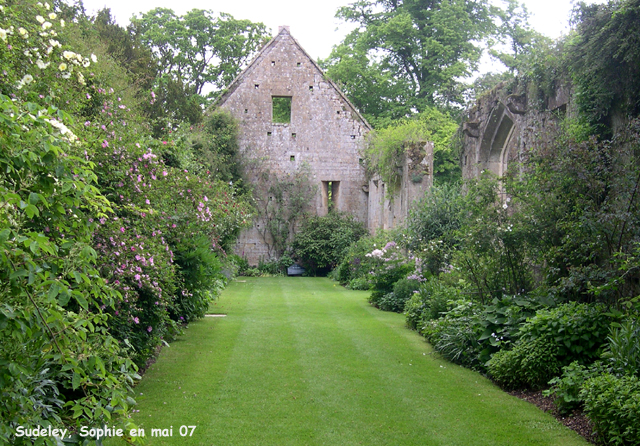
(290, 115)
(502, 126)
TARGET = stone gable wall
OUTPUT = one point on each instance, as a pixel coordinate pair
(325, 132)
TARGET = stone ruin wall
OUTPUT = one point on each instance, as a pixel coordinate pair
(325, 132)
(417, 177)
(502, 127)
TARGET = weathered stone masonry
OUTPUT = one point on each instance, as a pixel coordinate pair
(502, 127)
(325, 132)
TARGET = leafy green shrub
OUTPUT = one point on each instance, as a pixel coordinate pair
(455, 335)
(275, 267)
(199, 269)
(622, 352)
(59, 362)
(531, 363)
(502, 320)
(252, 272)
(491, 251)
(613, 406)
(579, 330)
(395, 301)
(403, 289)
(241, 264)
(431, 302)
(432, 225)
(355, 264)
(390, 302)
(360, 283)
(389, 266)
(455, 339)
(270, 267)
(566, 388)
(322, 242)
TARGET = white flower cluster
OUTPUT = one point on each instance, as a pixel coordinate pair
(67, 134)
(27, 79)
(376, 253)
(40, 58)
(5, 32)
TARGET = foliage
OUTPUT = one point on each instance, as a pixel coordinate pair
(275, 267)
(125, 47)
(502, 321)
(566, 388)
(417, 49)
(491, 253)
(585, 229)
(604, 58)
(613, 406)
(432, 225)
(622, 352)
(431, 302)
(455, 335)
(515, 35)
(59, 364)
(200, 271)
(281, 110)
(200, 47)
(531, 363)
(389, 147)
(322, 242)
(389, 266)
(395, 301)
(104, 248)
(578, 330)
(215, 148)
(403, 289)
(355, 265)
(168, 235)
(282, 203)
(359, 283)
(552, 338)
(58, 361)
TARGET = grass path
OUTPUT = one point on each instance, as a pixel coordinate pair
(300, 361)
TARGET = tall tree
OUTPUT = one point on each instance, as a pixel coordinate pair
(200, 48)
(514, 39)
(419, 48)
(126, 49)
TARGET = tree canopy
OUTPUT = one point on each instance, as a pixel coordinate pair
(200, 48)
(407, 55)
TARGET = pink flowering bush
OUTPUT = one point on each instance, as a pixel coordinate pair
(59, 361)
(105, 249)
(168, 239)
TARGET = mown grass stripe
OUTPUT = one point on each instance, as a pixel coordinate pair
(300, 361)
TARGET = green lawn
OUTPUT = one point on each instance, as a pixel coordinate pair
(301, 361)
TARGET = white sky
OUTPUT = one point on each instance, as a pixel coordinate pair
(313, 24)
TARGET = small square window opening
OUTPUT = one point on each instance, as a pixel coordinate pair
(281, 109)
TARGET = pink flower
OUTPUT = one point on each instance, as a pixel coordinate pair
(164, 173)
(136, 320)
(149, 329)
(122, 230)
(164, 142)
(105, 144)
